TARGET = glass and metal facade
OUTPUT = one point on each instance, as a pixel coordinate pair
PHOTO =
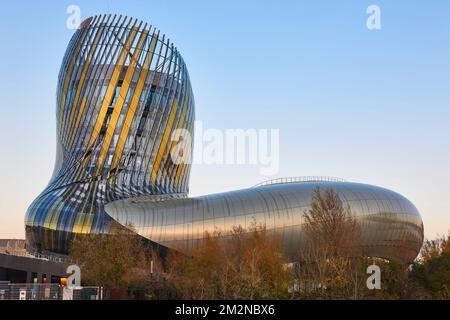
(123, 90)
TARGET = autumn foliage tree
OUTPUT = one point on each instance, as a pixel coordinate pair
(245, 264)
(250, 263)
(332, 266)
(431, 274)
(118, 260)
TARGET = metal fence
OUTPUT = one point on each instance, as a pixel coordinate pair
(299, 179)
(53, 291)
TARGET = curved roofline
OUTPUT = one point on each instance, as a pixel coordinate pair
(117, 18)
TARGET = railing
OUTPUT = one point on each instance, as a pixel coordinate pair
(22, 252)
(49, 291)
(300, 179)
(51, 257)
(54, 291)
(158, 197)
(13, 247)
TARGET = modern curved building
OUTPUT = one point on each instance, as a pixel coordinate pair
(391, 226)
(123, 91)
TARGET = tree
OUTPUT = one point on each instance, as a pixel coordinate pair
(431, 274)
(331, 226)
(245, 264)
(331, 264)
(434, 248)
(118, 260)
(395, 283)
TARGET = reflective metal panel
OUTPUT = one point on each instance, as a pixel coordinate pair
(391, 225)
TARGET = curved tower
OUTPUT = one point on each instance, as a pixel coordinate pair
(123, 89)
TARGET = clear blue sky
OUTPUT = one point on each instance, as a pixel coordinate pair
(367, 106)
